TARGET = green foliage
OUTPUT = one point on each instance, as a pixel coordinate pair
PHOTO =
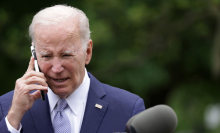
(161, 50)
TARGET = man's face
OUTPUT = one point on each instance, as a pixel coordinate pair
(62, 57)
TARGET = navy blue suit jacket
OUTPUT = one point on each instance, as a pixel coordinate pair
(117, 107)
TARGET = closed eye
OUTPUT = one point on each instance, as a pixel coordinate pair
(66, 55)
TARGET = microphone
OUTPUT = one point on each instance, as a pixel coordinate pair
(157, 119)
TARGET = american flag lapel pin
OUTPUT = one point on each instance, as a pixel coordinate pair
(98, 106)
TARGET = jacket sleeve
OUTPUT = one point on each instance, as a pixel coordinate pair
(138, 107)
(3, 126)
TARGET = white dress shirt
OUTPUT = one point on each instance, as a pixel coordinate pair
(75, 112)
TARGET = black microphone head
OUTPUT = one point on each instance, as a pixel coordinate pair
(158, 119)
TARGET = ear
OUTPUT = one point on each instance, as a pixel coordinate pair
(89, 52)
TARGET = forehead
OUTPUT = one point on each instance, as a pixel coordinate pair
(57, 33)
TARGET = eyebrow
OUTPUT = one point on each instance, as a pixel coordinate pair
(44, 53)
(68, 52)
(65, 52)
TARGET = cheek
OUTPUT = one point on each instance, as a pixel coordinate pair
(70, 65)
(44, 66)
(80, 60)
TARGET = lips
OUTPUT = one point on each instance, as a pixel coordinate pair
(60, 80)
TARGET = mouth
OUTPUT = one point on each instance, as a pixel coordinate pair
(60, 80)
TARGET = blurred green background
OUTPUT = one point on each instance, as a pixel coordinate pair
(166, 51)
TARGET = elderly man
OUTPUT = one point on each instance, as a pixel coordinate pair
(75, 101)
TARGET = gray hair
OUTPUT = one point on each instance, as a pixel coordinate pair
(57, 14)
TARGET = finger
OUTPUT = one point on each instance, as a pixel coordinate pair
(35, 79)
(36, 95)
(31, 64)
(33, 87)
(45, 91)
(34, 73)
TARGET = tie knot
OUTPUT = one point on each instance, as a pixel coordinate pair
(61, 105)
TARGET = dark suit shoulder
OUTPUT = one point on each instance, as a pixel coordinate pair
(120, 99)
(6, 99)
(122, 105)
(120, 94)
(5, 102)
(7, 96)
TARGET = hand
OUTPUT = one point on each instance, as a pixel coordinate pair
(23, 100)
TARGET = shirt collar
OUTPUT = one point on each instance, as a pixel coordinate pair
(76, 99)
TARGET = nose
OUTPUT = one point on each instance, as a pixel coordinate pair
(57, 66)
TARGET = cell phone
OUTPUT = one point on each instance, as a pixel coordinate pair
(37, 68)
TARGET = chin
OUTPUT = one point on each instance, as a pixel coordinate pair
(61, 92)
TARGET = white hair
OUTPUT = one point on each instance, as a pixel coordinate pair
(58, 14)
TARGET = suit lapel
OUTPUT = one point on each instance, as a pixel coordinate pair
(93, 115)
(41, 116)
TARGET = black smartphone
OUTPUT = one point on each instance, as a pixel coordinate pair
(37, 68)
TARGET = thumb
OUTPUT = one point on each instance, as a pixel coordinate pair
(37, 94)
(31, 64)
